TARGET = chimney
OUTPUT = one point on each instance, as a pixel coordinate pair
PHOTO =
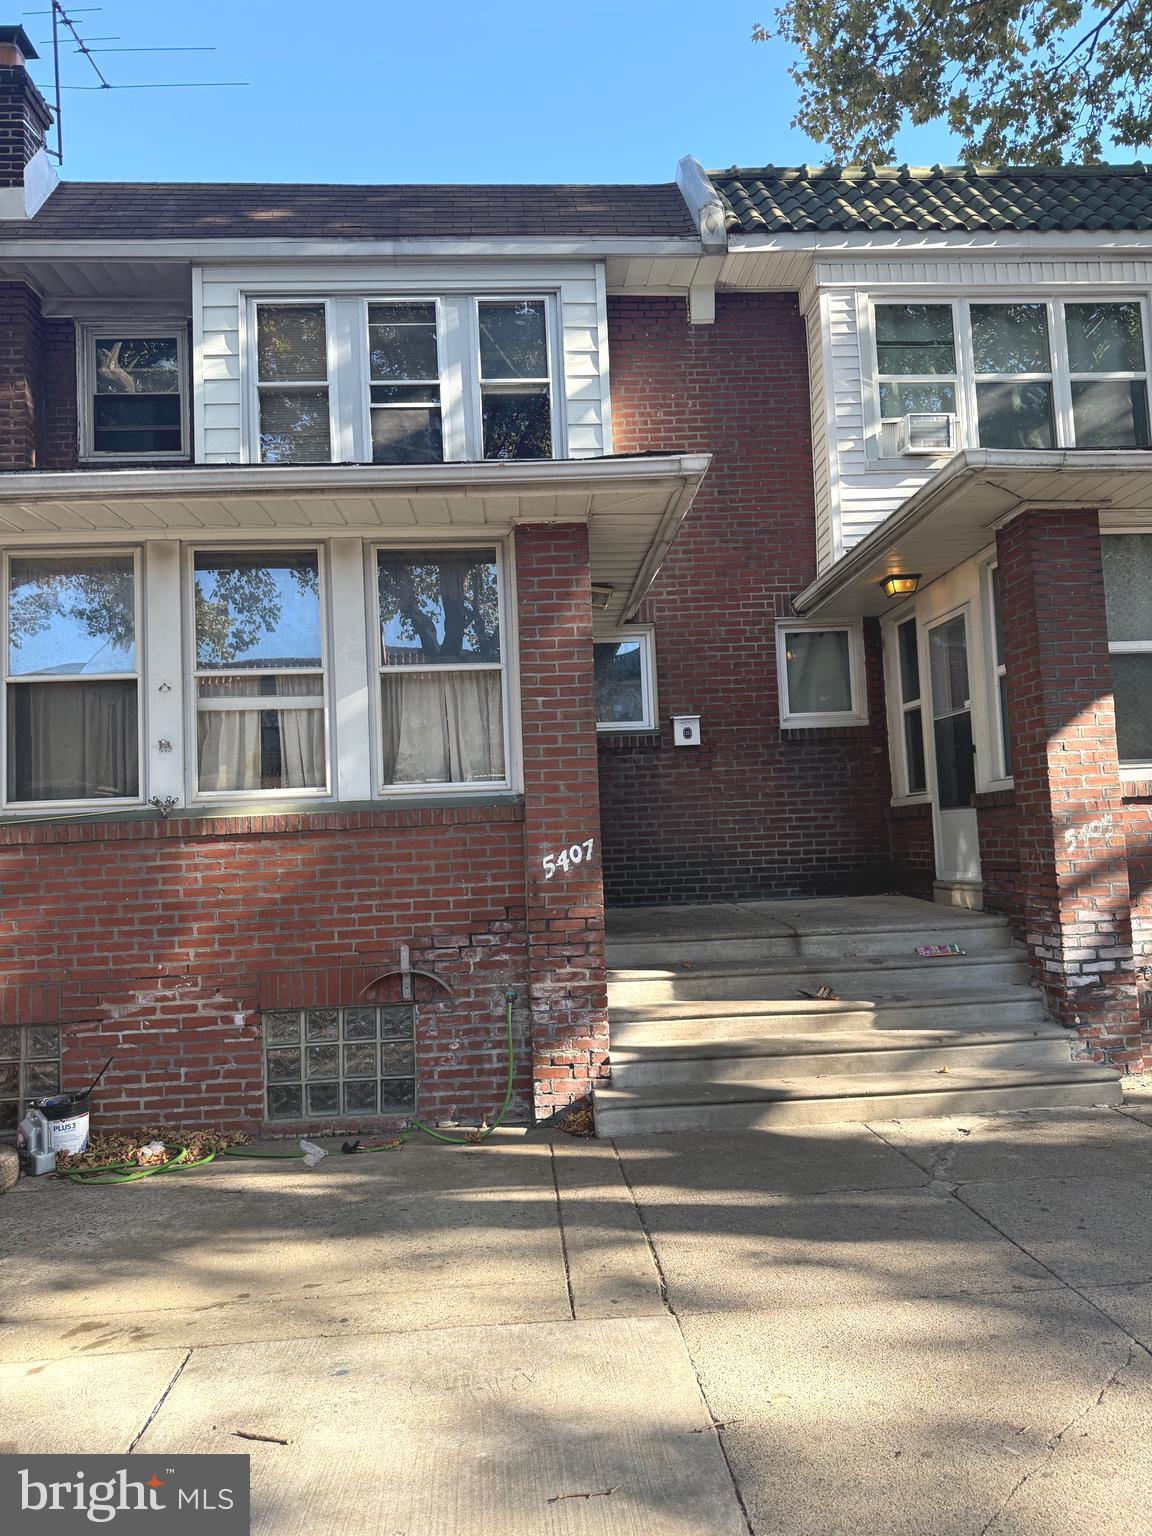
(27, 176)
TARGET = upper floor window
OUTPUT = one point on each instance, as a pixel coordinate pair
(133, 382)
(413, 380)
(1033, 374)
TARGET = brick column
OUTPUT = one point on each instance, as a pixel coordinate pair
(20, 374)
(561, 809)
(1070, 828)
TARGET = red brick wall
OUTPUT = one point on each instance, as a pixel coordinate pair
(913, 849)
(754, 810)
(21, 375)
(59, 427)
(1000, 856)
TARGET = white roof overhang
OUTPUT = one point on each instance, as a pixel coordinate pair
(633, 505)
(956, 514)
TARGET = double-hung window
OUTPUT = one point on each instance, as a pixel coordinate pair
(134, 385)
(71, 678)
(914, 773)
(259, 671)
(404, 387)
(292, 387)
(625, 681)
(442, 690)
(515, 390)
(1039, 373)
(1128, 603)
(1003, 747)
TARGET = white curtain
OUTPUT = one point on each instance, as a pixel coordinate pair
(442, 727)
(72, 741)
(819, 680)
(234, 748)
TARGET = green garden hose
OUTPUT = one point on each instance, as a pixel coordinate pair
(132, 1173)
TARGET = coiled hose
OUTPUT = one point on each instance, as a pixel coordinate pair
(178, 1159)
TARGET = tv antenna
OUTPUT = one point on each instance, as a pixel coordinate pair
(66, 30)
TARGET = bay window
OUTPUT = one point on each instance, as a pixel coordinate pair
(258, 672)
(71, 678)
(1037, 373)
(441, 668)
(1128, 605)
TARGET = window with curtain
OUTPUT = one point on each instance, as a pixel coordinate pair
(441, 668)
(292, 384)
(71, 678)
(1128, 604)
(259, 671)
(515, 393)
(820, 675)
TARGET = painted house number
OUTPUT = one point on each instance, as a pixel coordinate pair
(567, 857)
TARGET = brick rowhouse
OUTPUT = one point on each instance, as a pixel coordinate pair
(159, 942)
(1070, 822)
(753, 811)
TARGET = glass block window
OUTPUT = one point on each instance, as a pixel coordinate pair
(340, 1061)
(29, 1069)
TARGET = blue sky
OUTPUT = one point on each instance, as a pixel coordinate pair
(371, 90)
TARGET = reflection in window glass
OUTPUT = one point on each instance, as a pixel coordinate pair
(72, 701)
(137, 407)
(620, 693)
(915, 773)
(1015, 415)
(292, 384)
(818, 672)
(914, 339)
(1104, 338)
(404, 363)
(1010, 338)
(515, 394)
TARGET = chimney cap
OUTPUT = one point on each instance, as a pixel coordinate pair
(16, 37)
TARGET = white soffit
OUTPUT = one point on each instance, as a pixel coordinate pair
(633, 506)
(956, 513)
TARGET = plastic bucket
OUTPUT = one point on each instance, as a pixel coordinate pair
(67, 1117)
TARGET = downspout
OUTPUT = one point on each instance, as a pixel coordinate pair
(710, 216)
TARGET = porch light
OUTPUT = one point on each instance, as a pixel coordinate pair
(602, 593)
(900, 585)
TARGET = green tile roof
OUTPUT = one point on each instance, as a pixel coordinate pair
(807, 198)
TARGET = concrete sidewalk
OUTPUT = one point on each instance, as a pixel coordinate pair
(939, 1328)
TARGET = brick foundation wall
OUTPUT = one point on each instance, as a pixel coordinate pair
(753, 811)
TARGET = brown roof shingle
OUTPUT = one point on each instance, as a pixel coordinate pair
(91, 210)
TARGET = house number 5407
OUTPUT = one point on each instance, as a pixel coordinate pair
(567, 857)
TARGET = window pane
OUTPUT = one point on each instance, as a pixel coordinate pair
(997, 625)
(1128, 585)
(819, 679)
(1132, 685)
(513, 340)
(1010, 338)
(73, 741)
(295, 426)
(1110, 413)
(914, 751)
(257, 610)
(948, 656)
(438, 607)
(1015, 415)
(69, 614)
(517, 424)
(899, 399)
(909, 661)
(1104, 338)
(136, 424)
(915, 338)
(407, 435)
(619, 681)
(402, 341)
(260, 748)
(1005, 741)
(291, 343)
(141, 366)
(955, 761)
(442, 727)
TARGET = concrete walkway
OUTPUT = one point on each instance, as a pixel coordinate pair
(931, 1328)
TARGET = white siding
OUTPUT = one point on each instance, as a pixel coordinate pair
(220, 295)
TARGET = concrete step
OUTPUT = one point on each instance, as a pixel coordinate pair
(763, 1062)
(978, 935)
(677, 1023)
(859, 979)
(800, 1101)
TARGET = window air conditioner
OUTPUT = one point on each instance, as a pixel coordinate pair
(931, 432)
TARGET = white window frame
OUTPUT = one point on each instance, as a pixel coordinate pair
(1131, 768)
(646, 634)
(449, 429)
(858, 714)
(349, 369)
(1061, 377)
(256, 389)
(509, 682)
(191, 673)
(80, 552)
(898, 709)
(995, 670)
(87, 332)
